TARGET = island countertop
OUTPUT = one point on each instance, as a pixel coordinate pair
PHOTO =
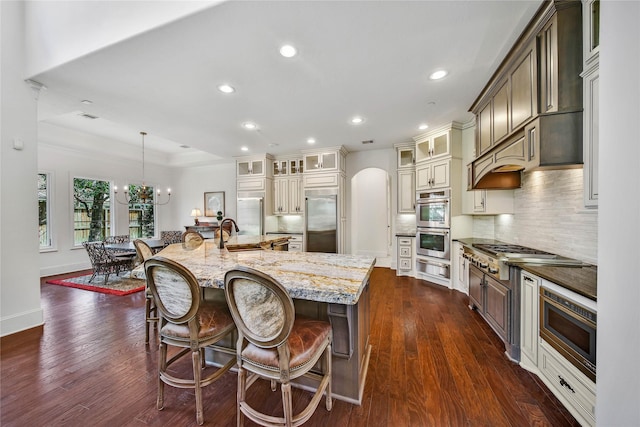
(331, 278)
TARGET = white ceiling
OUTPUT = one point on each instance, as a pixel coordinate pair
(355, 58)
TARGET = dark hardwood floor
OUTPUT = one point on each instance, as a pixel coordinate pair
(434, 363)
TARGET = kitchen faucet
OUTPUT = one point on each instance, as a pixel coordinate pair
(221, 246)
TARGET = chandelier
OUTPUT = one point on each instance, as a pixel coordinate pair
(142, 194)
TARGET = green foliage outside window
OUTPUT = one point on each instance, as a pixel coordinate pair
(91, 203)
(141, 213)
(44, 226)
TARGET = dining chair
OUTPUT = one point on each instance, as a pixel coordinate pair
(192, 239)
(104, 262)
(188, 322)
(144, 252)
(123, 238)
(275, 344)
(169, 237)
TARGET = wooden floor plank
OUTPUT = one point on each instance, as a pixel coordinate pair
(434, 362)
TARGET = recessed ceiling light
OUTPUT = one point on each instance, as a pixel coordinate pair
(86, 102)
(423, 126)
(437, 75)
(244, 148)
(311, 141)
(249, 125)
(225, 88)
(357, 120)
(288, 51)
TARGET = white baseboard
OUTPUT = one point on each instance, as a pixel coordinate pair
(62, 269)
(21, 322)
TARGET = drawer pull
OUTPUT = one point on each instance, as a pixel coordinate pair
(566, 384)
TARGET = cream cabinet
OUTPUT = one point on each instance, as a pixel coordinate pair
(488, 202)
(287, 196)
(405, 258)
(296, 166)
(576, 392)
(529, 329)
(591, 82)
(591, 99)
(296, 197)
(251, 167)
(280, 167)
(327, 160)
(433, 175)
(406, 184)
(437, 144)
(321, 162)
(406, 191)
(280, 196)
(406, 156)
(460, 267)
(287, 167)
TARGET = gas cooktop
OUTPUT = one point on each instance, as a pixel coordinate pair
(511, 251)
(505, 252)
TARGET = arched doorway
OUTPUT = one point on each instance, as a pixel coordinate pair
(371, 215)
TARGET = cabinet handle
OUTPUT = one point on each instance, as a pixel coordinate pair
(566, 384)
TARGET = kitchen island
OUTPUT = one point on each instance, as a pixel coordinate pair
(333, 287)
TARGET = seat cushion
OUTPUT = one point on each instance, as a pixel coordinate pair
(214, 317)
(307, 337)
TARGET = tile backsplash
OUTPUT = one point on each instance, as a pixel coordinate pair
(549, 215)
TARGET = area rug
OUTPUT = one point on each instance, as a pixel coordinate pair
(117, 285)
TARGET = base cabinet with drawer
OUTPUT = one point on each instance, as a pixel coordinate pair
(572, 388)
(405, 259)
(576, 392)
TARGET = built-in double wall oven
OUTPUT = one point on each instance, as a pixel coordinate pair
(432, 209)
(432, 234)
(568, 324)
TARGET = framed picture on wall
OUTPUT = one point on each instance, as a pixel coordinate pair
(213, 203)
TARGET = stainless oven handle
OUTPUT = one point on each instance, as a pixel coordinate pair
(431, 201)
(432, 231)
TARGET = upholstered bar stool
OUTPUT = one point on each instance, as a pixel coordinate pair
(144, 252)
(275, 345)
(192, 239)
(186, 321)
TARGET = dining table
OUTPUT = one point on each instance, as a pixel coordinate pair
(155, 245)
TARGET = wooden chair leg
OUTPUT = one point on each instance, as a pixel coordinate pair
(242, 380)
(147, 315)
(287, 404)
(328, 372)
(197, 370)
(162, 366)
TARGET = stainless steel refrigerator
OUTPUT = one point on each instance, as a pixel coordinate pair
(321, 213)
(250, 214)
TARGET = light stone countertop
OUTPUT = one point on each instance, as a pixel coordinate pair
(331, 278)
